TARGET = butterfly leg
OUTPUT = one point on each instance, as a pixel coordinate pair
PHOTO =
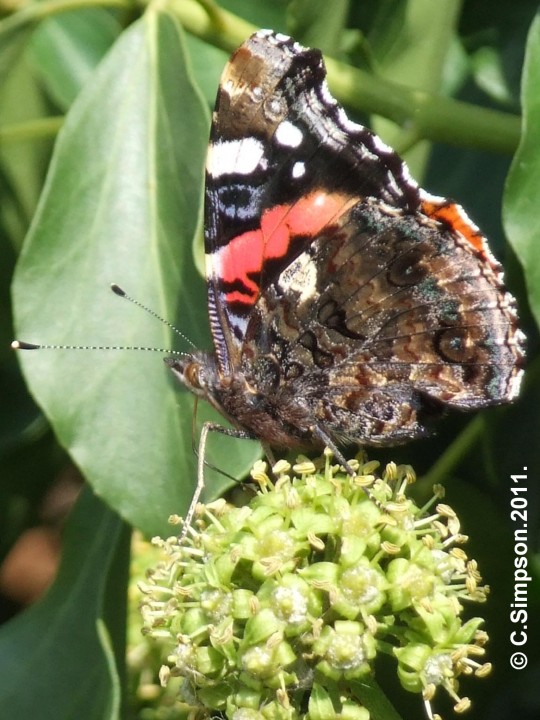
(269, 454)
(201, 462)
(326, 440)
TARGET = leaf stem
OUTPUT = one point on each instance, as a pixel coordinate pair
(30, 130)
(435, 117)
(34, 12)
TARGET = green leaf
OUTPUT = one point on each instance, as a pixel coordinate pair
(374, 699)
(414, 53)
(67, 48)
(207, 63)
(56, 656)
(14, 33)
(122, 204)
(259, 14)
(318, 23)
(22, 164)
(320, 704)
(520, 209)
(489, 74)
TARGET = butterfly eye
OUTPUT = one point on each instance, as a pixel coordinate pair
(192, 374)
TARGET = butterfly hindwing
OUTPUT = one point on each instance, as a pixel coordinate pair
(372, 340)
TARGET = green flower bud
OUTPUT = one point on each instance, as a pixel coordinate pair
(345, 649)
(260, 627)
(359, 589)
(291, 599)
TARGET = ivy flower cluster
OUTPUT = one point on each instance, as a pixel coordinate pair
(279, 609)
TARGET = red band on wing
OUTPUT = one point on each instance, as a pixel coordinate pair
(452, 215)
(247, 253)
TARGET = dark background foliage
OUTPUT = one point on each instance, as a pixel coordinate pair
(104, 115)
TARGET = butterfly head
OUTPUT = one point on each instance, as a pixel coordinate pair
(197, 371)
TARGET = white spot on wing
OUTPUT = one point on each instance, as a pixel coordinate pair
(257, 93)
(326, 96)
(300, 277)
(298, 170)
(240, 323)
(406, 175)
(288, 134)
(235, 156)
(392, 184)
(381, 146)
(346, 123)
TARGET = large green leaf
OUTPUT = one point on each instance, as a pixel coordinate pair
(521, 216)
(55, 657)
(122, 204)
(66, 49)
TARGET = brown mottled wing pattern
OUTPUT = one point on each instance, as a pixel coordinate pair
(380, 323)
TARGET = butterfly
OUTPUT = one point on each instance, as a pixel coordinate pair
(346, 304)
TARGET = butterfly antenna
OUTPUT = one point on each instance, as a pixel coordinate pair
(117, 290)
(21, 345)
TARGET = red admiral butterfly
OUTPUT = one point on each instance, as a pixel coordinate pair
(346, 304)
